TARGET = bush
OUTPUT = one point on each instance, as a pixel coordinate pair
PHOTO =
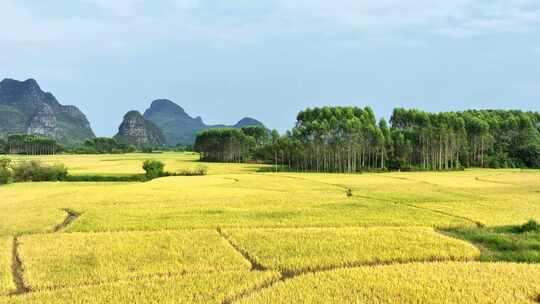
(5, 171)
(36, 171)
(530, 226)
(153, 168)
(199, 171)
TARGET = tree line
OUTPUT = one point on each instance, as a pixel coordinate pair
(350, 139)
(29, 145)
(230, 144)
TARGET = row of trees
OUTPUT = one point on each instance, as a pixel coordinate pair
(230, 144)
(39, 145)
(350, 139)
(475, 138)
(29, 145)
(331, 139)
(104, 145)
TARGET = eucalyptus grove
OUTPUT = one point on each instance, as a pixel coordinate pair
(349, 139)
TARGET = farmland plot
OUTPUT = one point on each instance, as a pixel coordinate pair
(237, 235)
(74, 259)
(301, 250)
(470, 283)
(6, 278)
(213, 288)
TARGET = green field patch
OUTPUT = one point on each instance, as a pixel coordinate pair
(300, 250)
(6, 279)
(419, 283)
(508, 243)
(71, 259)
(192, 288)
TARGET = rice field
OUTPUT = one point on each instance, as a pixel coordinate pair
(294, 251)
(76, 259)
(240, 236)
(6, 279)
(412, 283)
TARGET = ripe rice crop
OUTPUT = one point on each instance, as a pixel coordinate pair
(193, 288)
(115, 164)
(158, 242)
(300, 250)
(6, 279)
(494, 213)
(59, 260)
(469, 283)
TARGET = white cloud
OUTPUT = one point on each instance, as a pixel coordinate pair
(130, 23)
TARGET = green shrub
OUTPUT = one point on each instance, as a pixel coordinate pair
(530, 226)
(36, 171)
(153, 168)
(5, 171)
(199, 171)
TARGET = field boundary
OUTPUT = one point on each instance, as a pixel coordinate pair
(255, 266)
(17, 270)
(286, 276)
(71, 216)
(477, 223)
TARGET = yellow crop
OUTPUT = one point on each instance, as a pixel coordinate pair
(194, 288)
(6, 279)
(59, 260)
(300, 250)
(132, 163)
(464, 283)
(210, 239)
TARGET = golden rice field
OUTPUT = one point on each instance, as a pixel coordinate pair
(240, 236)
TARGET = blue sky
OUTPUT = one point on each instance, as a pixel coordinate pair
(224, 60)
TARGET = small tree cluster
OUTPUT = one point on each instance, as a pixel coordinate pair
(153, 168)
(5, 171)
(29, 145)
(30, 171)
(230, 144)
(102, 145)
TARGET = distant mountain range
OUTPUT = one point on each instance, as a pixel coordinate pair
(26, 109)
(178, 127)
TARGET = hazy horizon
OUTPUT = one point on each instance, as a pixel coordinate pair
(270, 59)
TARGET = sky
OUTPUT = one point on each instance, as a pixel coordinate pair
(269, 59)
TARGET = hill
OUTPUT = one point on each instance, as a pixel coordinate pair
(26, 109)
(178, 127)
(137, 131)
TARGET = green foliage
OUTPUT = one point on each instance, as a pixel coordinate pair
(153, 168)
(36, 171)
(31, 145)
(530, 226)
(3, 146)
(348, 139)
(509, 243)
(5, 171)
(224, 145)
(198, 171)
(102, 145)
(258, 133)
